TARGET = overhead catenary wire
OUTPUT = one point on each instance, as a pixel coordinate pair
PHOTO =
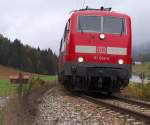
(83, 4)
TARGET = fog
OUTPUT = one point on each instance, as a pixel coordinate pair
(41, 22)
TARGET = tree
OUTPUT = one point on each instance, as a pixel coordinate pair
(26, 58)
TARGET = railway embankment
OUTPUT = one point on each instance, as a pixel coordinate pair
(50, 103)
(57, 106)
(21, 107)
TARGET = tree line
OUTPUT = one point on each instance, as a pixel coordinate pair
(141, 52)
(143, 57)
(24, 57)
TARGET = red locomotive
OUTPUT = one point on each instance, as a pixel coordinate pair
(95, 51)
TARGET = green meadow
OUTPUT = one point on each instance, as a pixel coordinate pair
(49, 78)
(7, 89)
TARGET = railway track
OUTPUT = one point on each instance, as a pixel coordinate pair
(132, 111)
(133, 101)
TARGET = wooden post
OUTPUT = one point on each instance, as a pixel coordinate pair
(142, 76)
(20, 87)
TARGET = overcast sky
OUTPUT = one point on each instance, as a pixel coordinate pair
(41, 22)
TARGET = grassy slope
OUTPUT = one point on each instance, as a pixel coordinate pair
(137, 69)
(5, 72)
(137, 90)
(9, 114)
(6, 88)
(48, 78)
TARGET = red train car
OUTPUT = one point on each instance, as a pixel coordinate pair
(95, 51)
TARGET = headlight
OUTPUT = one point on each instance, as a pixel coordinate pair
(120, 61)
(80, 59)
(102, 36)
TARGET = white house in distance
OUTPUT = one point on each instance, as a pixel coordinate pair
(138, 62)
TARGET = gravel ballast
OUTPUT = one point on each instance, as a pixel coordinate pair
(59, 107)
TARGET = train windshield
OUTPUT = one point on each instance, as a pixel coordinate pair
(89, 24)
(113, 25)
(106, 24)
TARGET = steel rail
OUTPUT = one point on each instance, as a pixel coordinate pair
(133, 101)
(143, 117)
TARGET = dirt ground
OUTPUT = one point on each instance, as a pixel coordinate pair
(15, 113)
(21, 110)
(5, 72)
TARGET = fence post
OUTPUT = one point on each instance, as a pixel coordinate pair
(142, 77)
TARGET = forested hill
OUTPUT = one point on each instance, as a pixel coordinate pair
(24, 57)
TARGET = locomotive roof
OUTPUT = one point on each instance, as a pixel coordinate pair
(98, 12)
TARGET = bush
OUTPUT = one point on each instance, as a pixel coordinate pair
(140, 91)
(36, 84)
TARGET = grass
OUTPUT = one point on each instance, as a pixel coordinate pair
(9, 113)
(26, 105)
(16, 106)
(6, 88)
(137, 69)
(139, 91)
(49, 78)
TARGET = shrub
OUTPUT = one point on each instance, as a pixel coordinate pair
(140, 91)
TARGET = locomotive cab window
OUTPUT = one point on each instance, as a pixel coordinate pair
(61, 42)
(89, 24)
(114, 25)
(66, 32)
(106, 24)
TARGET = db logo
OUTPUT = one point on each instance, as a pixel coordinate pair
(101, 50)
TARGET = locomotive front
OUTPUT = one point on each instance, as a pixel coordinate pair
(98, 51)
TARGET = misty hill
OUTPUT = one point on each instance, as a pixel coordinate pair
(24, 57)
(141, 52)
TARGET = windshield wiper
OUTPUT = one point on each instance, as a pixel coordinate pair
(122, 27)
(80, 27)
